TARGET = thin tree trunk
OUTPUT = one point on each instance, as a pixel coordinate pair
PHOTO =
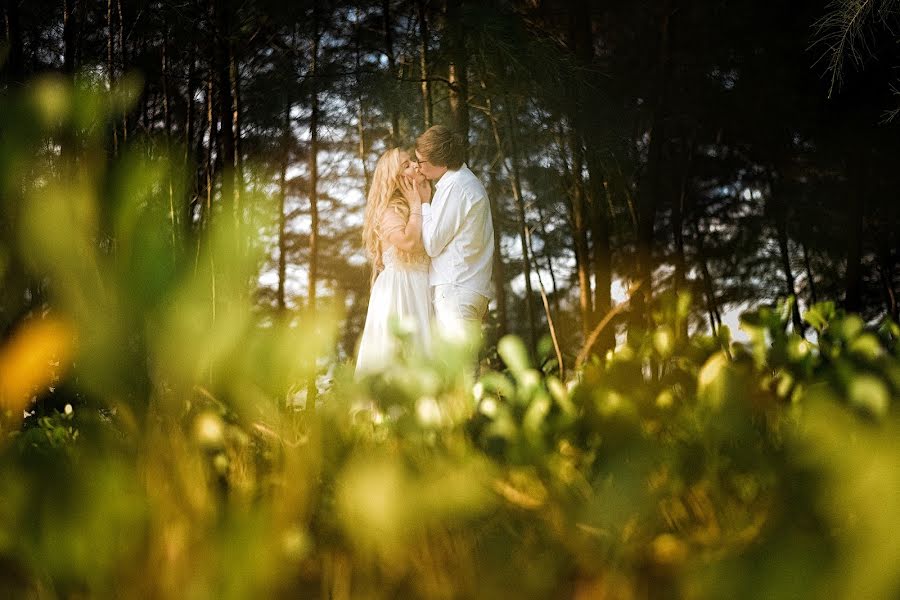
(392, 69)
(110, 67)
(499, 272)
(235, 82)
(550, 325)
(167, 119)
(678, 222)
(211, 118)
(423, 63)
(458, 71)
(15, 67)
(549, 262)
(71, 8)
(601, 251)
(652, 186)
(516, 184)
(579, 232)
(282, 199)
(856, 218)
(189, 141)
(361, 111)
(712, 307)
(311, 389)
(810, 280)
(778, 211)
(122, 63)
(225, 158)
(885, 265)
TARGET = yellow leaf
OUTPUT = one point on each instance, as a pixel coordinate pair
(31, 358)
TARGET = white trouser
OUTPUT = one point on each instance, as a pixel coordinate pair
(458, 312)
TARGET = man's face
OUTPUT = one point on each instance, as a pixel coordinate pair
(427, 169)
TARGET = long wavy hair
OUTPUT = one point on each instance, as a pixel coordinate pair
(384, 195)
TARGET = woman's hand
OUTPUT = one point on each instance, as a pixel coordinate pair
(411, 193)
(423, 188)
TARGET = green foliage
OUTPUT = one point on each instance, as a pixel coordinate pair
(675, 466)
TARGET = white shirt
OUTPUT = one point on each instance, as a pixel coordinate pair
(458, 233)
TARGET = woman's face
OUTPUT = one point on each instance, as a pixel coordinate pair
(408, 168)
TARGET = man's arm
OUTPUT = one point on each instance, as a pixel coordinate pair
(442, 220)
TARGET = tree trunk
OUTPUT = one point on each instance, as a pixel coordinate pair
(516, 184)
(810, 280)
(499, 272)
(549, 262)
(219, 14)
(855, 220)
(458, 71)
(235, 81)
(110, 67)
(361, 111)
(282, 200)
(167, 119)
(423, 62)
(189, 138)
(71, 10)
(122, 63)
(712, 306)
(678, 221)
(392, 69)
(580, 43)
(15, 66)
(311, 389)
(601, 250)
(778, 212)
(516, 188)
(651, 187)
(885, 264)
(579, 232)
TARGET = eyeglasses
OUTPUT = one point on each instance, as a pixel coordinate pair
(418, 161)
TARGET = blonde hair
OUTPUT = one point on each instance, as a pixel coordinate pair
(384, 195)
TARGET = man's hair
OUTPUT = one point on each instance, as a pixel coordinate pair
(441, 147)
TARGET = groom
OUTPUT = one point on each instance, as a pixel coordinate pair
(457, 233)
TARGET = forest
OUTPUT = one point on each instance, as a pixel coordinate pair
(690, 372)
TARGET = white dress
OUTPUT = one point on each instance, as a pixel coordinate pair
(400, 302)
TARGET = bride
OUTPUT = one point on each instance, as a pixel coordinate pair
(392, 233)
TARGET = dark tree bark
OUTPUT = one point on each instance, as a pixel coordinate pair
(855, 218)
(651, 185)
(392, 70)
(361, 112)
(311, 389)
(499, 272)
(71, 20)
(424, 66)
(219, 10)
(122, 62)
(712, 305)
(810, 280)
(516, 184)
(885, 266)
(579, 210)
(110, 67)
(282, 199)
(778, 213)
(457, 74)
(14, 70)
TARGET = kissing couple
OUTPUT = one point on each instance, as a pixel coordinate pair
(431, 256)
